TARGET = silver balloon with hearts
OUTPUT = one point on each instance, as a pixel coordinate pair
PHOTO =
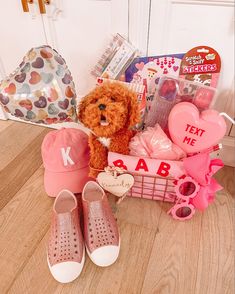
(41, 89)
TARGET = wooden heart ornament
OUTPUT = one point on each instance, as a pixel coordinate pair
(118, 185)
(193, 131)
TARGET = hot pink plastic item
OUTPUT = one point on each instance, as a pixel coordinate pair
(203, 98)
(194, 132)
(186, 189)
(154, 143)
(65, 154)
(201, 167)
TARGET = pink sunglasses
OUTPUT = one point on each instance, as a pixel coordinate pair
(185, 190)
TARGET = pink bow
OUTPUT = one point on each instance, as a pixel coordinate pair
(201, 168)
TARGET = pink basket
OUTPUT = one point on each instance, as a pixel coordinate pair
(153, 188)
(168, 181)
(148, 184)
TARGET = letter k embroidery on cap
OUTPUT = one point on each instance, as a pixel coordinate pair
(65, 155)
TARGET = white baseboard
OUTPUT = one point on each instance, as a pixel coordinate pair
(76, 125)
(227, 153)
(2, 114)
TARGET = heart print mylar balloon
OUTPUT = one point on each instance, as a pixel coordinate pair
(192, 131)
(41, 89)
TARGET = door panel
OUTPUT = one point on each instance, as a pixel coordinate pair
(177, 26)
(77, 29)
(20, 31)
(80, 33)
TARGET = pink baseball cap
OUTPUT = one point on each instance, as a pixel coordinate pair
(65, 155)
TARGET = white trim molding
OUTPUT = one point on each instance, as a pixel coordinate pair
(53, 12)
(3, 115)
(119, 17)
(229, 3)
(227, 153)
(2, 70)
(139, 16)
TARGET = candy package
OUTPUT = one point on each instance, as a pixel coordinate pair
(172, 90)
(147, 71)
(115, 59)
(201, 64)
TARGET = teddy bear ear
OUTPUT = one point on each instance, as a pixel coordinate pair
(134, 112)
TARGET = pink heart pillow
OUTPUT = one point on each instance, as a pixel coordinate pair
(192, 131)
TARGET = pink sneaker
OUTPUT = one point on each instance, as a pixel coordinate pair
(100, 228)
(65, 253)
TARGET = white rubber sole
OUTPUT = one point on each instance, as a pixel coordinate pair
(105, 255)
(68, 271)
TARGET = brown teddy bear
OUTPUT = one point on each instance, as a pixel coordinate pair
(109, 111)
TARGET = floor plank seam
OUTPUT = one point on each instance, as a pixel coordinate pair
(20, 188)
(29, 257)
(159, 218)
(30, 175)
(5, 129)
(200, 240)
(147, 265)
(33, 139)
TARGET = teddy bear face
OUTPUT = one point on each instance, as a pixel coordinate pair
(108, 109)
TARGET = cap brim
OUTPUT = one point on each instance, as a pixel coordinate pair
(73, 181)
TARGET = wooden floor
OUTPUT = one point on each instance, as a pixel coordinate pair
(158, 254)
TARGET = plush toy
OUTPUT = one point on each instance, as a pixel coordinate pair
(109, 111)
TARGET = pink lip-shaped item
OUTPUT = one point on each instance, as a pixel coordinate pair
(192, 131)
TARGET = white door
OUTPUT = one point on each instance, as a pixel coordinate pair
(175, 26)
(79, 30)
(20, 31)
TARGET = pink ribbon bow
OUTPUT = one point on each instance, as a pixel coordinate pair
(201, 168)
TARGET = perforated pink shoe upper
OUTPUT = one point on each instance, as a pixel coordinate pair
(65, 240)
(100, 227)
